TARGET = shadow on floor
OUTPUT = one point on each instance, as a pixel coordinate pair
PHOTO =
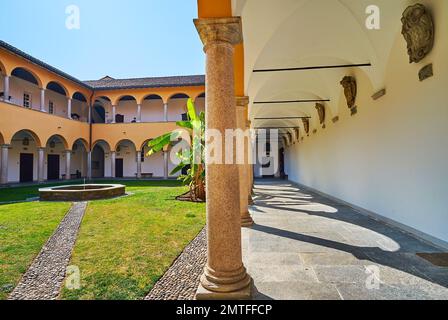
(296, 201)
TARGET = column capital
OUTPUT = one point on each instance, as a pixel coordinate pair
(67, 151)
(6, 146)
(212, 30)
(242, 102)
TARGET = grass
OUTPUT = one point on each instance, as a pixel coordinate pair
(24, 228)
(126, 244)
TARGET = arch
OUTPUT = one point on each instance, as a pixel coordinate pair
(125, 140)
(98, 112)
(103, 98)
(124, 97)
(151, 96)
(58, 88)
(179, 95)
(100, 143)
(61, 138)
(201, 95)
(31, 133)
(83, 142)
(79, 96)
(144, 144)
(27, 75)
(2, 140)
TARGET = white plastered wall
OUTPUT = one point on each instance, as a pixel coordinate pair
(391, 158)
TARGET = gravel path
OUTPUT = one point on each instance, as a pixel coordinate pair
(181, 280)
(45, 276)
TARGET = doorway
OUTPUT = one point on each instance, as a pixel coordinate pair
(53, 167)
(26, 167)
(119, 168)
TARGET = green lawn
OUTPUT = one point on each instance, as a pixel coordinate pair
(126, 244)
(24, 228)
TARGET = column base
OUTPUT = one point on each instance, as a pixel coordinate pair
(220, 285)
(242, 294)
(247, 221)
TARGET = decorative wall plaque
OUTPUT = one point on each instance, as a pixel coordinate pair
(418, 31)
(306, 125)
(426, 72)
(297, 132)
(289, 137)
(350, 91)
(379, 94)
(321, 112)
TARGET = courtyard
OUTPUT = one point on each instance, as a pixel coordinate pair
(123, 246)
(148, 245)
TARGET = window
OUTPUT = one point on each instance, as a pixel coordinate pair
(27, 100)
(51, 107)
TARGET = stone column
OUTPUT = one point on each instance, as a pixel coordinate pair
(68, 158)
(42, 99)
(225, 276)
(4, 169)
(113, 156)
(250, 168)
(40, 164)
(6, 88)
(139, 164)
(114, 111)
(165, 164)
(89, 165)
(241, 115)
(69, 108)
(165, 112)
(139, 113)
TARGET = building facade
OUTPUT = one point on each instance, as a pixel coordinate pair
(54, 126)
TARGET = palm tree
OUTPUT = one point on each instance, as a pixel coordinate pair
(192, 159)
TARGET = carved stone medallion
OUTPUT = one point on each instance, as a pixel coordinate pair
(306, 125)
(321, 112)
(350, 90)
(418, 31)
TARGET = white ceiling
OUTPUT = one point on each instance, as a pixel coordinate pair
(300, 33)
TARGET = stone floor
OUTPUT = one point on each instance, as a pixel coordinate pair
(182, 278)
(45, 276)
(306, 246)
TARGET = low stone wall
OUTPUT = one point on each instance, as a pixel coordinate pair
(82, 193)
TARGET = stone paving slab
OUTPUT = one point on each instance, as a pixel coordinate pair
(181, 280)
(45, 276)
(298, 233)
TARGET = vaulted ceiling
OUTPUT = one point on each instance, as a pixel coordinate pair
(302, 33)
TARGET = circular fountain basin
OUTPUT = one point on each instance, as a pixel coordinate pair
(83, 192)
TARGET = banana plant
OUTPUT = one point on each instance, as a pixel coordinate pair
(192, 158)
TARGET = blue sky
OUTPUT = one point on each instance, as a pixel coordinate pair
(119, 38)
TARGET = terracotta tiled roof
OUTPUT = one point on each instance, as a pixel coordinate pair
(108, 83)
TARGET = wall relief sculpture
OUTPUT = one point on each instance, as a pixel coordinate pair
(306, 125)
(297, 133)
(350, 91)
(321, 112)
(418, 31)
